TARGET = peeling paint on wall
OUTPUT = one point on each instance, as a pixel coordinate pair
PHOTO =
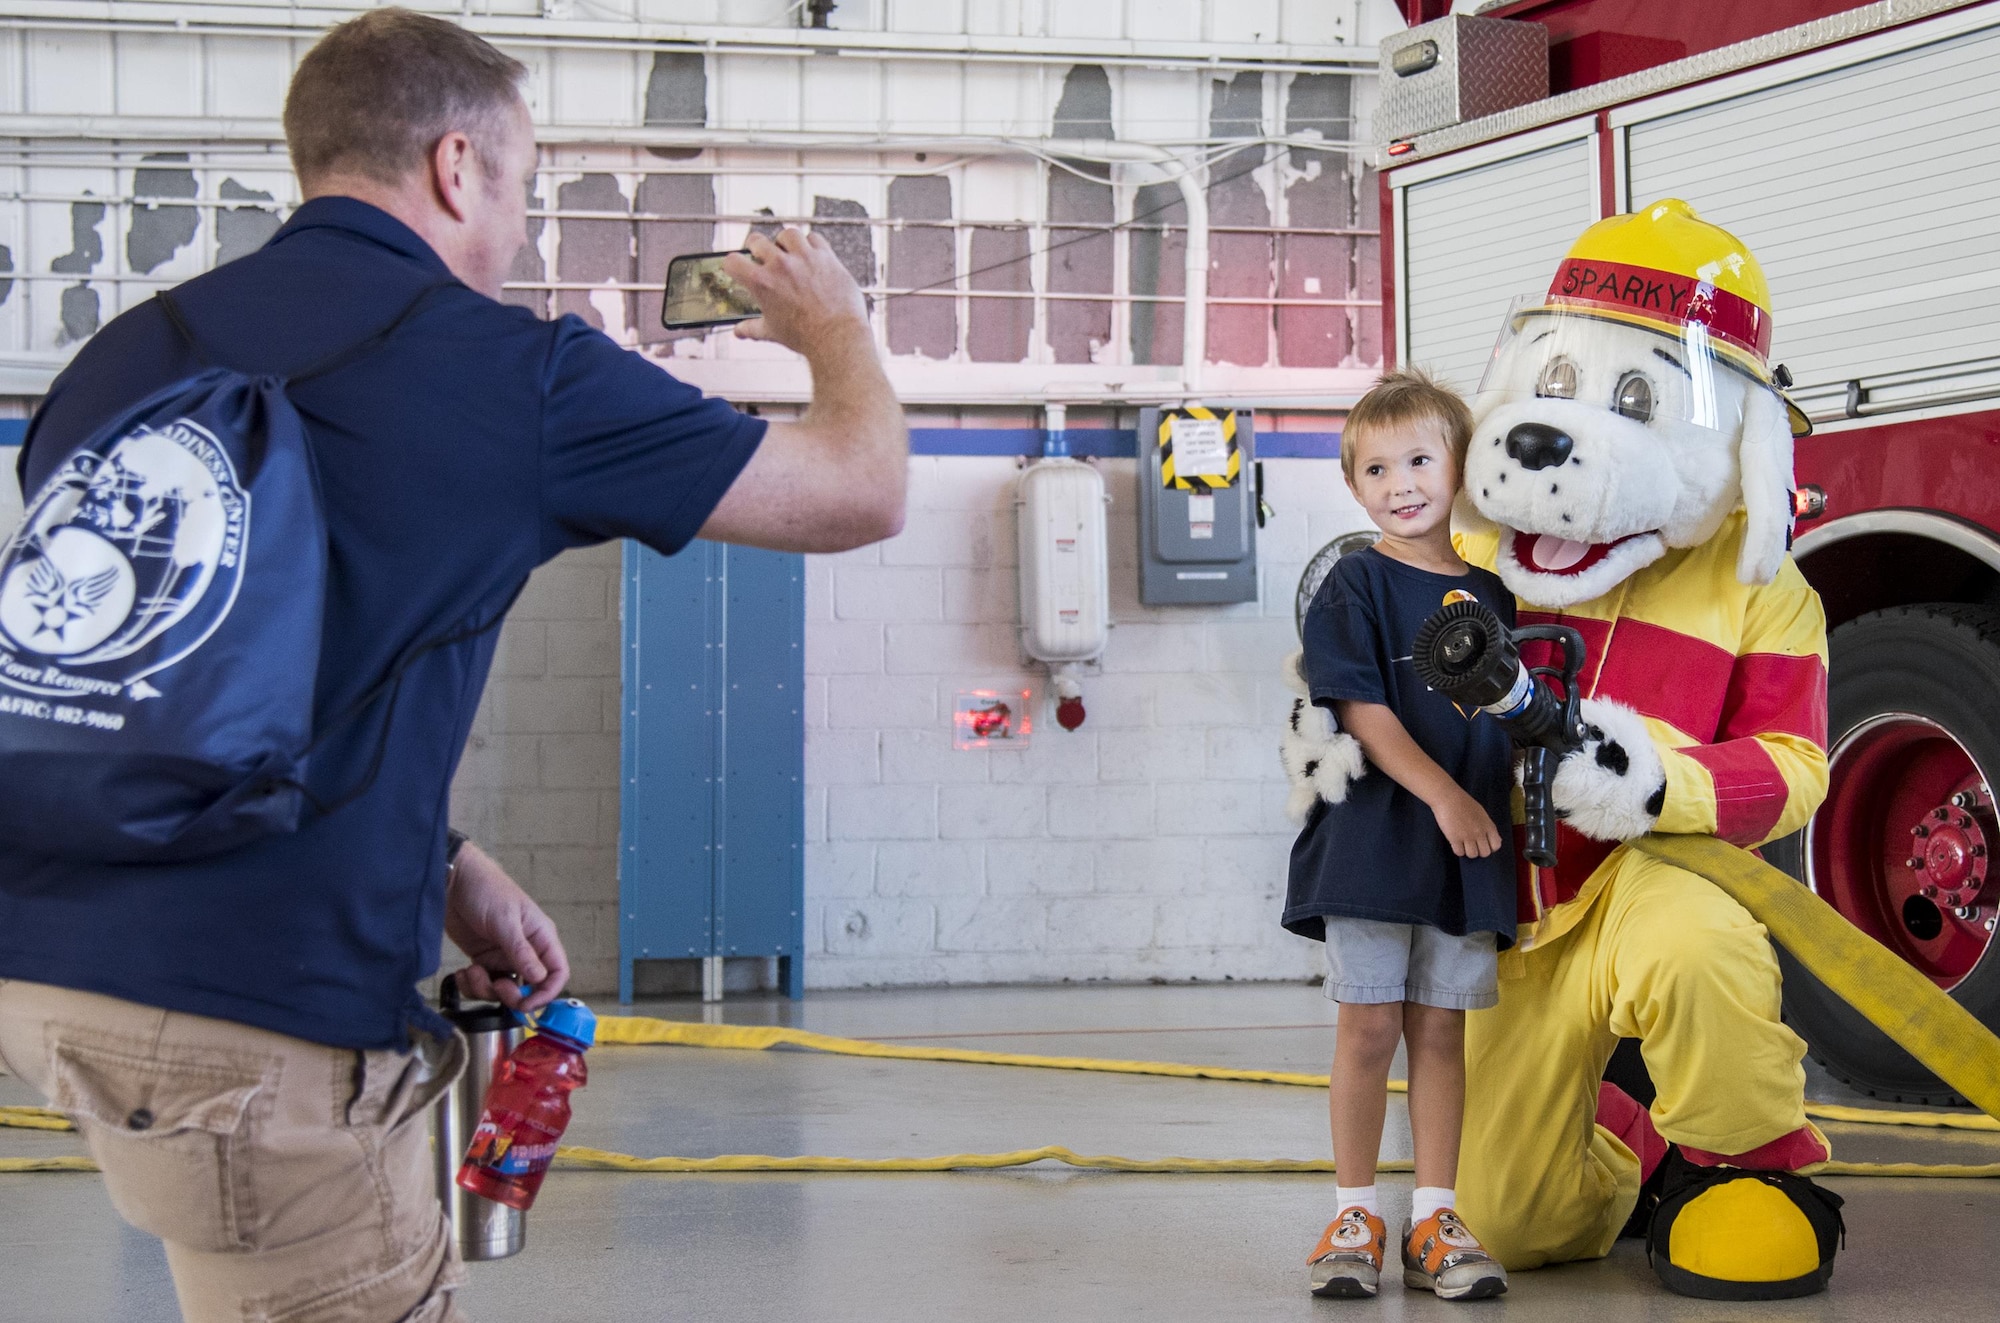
(591, 251)
(677, 97)
(86, 245)
(242, 230)
(1080, 261)
(1159, 266)
(1320, 196)
(529, 265)
(159, 230)
(660, 241)
(1084, 109)
(79, 308)
(834, 219)
(1239, 265)
(922, 257)
(999, 329)
(79, 315)
(1368, 281)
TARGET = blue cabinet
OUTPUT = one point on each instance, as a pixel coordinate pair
(712, 823)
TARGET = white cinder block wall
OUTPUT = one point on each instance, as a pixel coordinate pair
(10, 492)
(538, 786)
(1149, 844)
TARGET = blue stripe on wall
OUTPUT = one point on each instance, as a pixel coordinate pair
(1106, 443)
(1298, 445)
(12, 431)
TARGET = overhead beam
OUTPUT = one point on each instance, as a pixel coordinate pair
(303, 22)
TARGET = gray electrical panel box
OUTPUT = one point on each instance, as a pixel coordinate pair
(1197, 506)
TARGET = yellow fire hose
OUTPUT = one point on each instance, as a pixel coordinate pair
(1933, 1028)
(646, 1030)
(1948, 1039)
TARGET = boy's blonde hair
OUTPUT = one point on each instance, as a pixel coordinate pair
(1408, 395)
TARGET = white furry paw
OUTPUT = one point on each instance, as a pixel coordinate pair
(1294, 671)
(1613, 788)
(1320, 760)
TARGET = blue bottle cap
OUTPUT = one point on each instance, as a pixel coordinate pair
(571, 1019)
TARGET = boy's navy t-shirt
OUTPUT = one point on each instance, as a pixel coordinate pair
(479, 443)
(1378, 854)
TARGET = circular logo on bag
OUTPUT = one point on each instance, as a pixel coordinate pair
(127, 560)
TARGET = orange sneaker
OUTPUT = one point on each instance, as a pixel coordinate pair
(1347, 1262)
(1440, 1255)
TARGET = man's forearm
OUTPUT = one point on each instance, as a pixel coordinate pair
(854, 410)
(837, 477)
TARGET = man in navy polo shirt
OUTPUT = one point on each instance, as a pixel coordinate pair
(240, 1037)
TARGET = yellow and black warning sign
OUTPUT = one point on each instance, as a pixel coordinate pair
(1198, 450)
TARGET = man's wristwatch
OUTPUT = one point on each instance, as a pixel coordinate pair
(454, 841)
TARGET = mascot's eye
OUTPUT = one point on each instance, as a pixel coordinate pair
(1635, 397)
(1558, 380)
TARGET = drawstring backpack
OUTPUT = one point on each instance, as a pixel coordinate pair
(160, 613)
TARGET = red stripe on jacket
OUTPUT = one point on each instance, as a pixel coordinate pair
(1538, 653)
(1719, 700)
(1770, 693)
(1750, 795)
(1667, 675)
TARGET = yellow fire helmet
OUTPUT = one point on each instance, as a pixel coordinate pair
(1664, 268)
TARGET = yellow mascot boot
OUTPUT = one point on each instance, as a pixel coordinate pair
(1726, 1233)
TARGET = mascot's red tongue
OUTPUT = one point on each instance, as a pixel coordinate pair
(1545, 553)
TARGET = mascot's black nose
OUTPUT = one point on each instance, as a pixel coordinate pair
(1538, 446)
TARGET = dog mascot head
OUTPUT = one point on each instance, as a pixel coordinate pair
(1631, 410)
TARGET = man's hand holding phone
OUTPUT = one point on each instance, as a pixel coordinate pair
(834, 477)
(806, 295)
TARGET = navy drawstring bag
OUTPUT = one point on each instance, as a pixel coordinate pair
(160, 614)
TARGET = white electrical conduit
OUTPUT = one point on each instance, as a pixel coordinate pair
(198, 130)
(306, 22)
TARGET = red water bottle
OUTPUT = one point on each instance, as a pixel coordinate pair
(527, 1107)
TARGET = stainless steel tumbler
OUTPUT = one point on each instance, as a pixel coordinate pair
(485, 1229)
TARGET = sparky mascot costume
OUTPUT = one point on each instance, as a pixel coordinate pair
(1630, 476)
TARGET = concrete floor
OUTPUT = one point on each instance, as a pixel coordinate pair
(1057, 1244)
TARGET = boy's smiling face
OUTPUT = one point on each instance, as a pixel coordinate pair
(1405, 477)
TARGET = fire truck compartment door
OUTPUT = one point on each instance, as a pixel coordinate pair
(1868, 193)
(1474, 240)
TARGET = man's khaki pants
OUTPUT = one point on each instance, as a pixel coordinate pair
(291, 1182)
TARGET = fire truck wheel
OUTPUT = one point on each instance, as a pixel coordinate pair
(1902, 845)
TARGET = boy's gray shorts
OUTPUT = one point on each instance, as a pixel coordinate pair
(1371, 962)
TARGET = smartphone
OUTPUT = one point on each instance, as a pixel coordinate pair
(701, 293)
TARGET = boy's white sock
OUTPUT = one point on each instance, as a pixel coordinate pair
(1364, 1195)
(1428, 1199)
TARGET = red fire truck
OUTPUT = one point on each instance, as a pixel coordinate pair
(1856, 150)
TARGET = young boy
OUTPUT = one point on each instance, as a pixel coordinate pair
(1406, 879)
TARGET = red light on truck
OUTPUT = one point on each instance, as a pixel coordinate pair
(1403, 148)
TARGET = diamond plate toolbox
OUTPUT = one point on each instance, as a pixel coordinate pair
(1456, 69)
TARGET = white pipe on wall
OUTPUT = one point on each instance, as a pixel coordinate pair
(1194, 304)
(64, 131)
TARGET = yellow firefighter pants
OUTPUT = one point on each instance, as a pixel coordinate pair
(1662, 956)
